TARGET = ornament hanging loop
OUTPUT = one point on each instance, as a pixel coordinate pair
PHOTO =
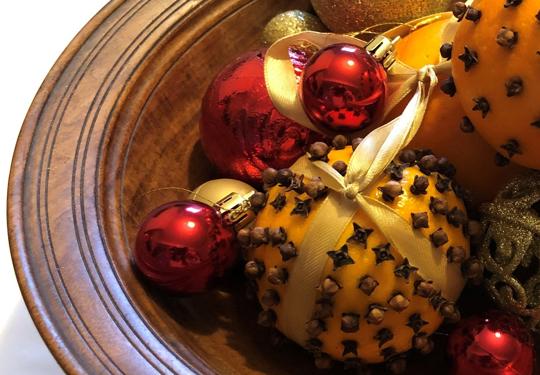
(383, 49)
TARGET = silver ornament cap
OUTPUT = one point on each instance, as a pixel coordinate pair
(383, 49)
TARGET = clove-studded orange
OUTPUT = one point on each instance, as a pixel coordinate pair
(445, 129)
(496, 60)
(372, 304)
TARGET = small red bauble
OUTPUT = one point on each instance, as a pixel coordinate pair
(493, 343)
(343, 88)
(242, 133)
(183, 245)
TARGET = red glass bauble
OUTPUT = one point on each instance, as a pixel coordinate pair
(493, 343)
(242, 133)
(183, 245)
(343, 88)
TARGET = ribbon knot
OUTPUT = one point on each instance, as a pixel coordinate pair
(424, 72)
(351, 191)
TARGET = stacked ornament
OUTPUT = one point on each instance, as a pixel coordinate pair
(388, 170)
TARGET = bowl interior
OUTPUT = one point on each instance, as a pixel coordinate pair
(161, 156)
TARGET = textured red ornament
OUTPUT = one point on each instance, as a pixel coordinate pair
(241, 131)
(183, 245)
(343, 88)
(493, 343)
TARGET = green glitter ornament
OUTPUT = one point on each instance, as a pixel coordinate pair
(510, 251)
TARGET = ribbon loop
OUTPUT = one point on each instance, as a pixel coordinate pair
(376, 151)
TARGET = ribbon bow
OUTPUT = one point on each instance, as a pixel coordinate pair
(372, 156)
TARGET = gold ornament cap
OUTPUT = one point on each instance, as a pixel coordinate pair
(236, 210)
(230, 197)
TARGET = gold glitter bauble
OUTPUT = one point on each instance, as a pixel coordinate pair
(289, 23)
(510, 250)
(345, 16)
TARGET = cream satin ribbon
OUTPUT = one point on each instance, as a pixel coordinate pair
(369, 160)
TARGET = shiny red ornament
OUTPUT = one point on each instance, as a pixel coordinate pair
(343, 88)
(242, 133)
(183, 245)
(493, 343)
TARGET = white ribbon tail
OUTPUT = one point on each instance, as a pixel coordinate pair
(332, 217)
(382, 145)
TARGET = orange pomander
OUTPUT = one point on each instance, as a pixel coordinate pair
(495, 67)
(443, 130)
(372, 305)
(421, 47)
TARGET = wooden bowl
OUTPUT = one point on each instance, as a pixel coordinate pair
(115, 119)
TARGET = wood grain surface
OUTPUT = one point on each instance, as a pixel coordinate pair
(115, 119)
